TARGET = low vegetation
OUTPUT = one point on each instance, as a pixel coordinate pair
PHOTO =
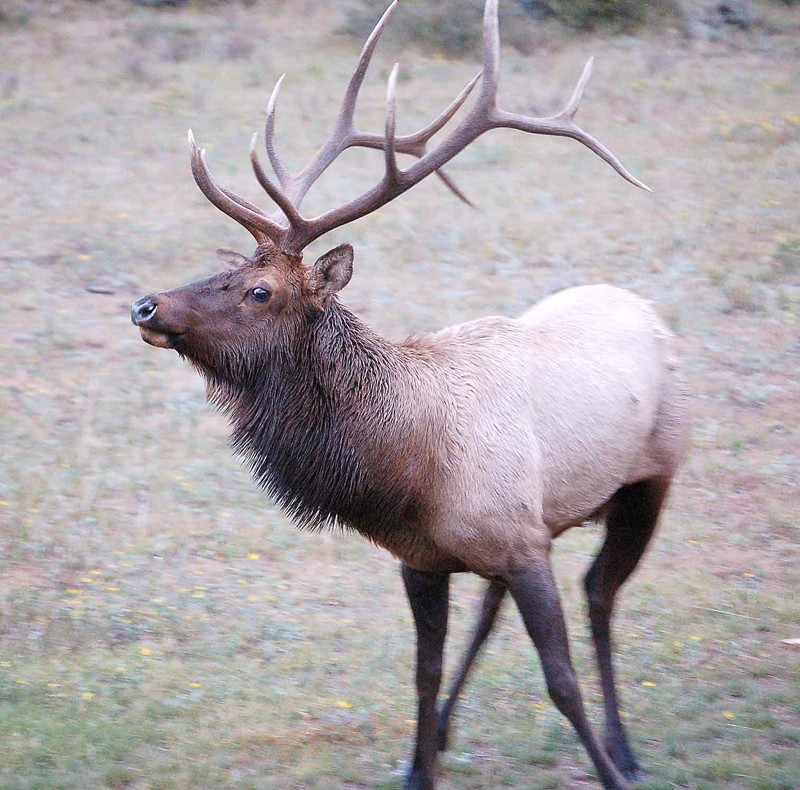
(453, 28)
(161, 625)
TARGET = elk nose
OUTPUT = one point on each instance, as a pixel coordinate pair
(143, 310)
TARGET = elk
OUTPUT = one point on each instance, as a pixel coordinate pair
(469, 449)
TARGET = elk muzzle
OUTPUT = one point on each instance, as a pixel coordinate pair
(143, 315)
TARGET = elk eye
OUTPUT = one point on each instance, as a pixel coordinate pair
(260, 294)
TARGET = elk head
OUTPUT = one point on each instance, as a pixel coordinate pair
(243, 310)
(259, 299)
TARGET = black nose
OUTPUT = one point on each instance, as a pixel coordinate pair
(143, 310)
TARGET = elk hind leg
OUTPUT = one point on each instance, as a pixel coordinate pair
(536, 595)
(492, 599)
(630, 523)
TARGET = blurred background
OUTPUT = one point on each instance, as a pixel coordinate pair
(161, 624)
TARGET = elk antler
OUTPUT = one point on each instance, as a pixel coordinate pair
(484, 116)
(344, 134)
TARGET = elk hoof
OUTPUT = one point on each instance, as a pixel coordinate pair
(415, 781)
(626, 763)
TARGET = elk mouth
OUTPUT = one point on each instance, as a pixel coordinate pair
(159, 338)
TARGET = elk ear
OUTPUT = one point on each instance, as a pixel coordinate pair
(231, 259)
(331, 272)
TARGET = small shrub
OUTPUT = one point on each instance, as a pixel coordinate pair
(453, 27)
(787, 253)
(744, 295)
(590, 14)
(14, 13)
(448, 27)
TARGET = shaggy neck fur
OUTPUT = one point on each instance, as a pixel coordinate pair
(317, 417)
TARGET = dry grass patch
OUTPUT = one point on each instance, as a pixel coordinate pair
(161, 625)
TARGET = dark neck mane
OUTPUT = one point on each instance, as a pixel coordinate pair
(320, 426)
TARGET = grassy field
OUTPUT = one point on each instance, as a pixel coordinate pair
(161, 625)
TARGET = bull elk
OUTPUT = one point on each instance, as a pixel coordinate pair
(470, 449)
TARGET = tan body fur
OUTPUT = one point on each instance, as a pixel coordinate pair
(534, 423)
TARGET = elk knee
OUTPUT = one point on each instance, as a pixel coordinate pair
(429, 674)
(564, 691)
(600, 602)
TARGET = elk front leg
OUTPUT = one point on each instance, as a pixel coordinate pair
(428, 594)
(536, 595)
(491, 605)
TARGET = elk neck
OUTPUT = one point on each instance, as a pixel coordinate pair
(329, 422)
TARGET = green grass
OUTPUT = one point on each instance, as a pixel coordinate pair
(162, 626)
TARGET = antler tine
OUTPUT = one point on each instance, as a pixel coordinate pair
(285, 205)
(568, 113)
(390, 157)
(562, 125)
(415, 144)
(551, 126)
(571, 106)
(345, 122)
(246, 214)
(607, 156)
(233, 196)
(343, 133)
(454, 188)
(422, 137)
(425, 134)
(269, 137)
